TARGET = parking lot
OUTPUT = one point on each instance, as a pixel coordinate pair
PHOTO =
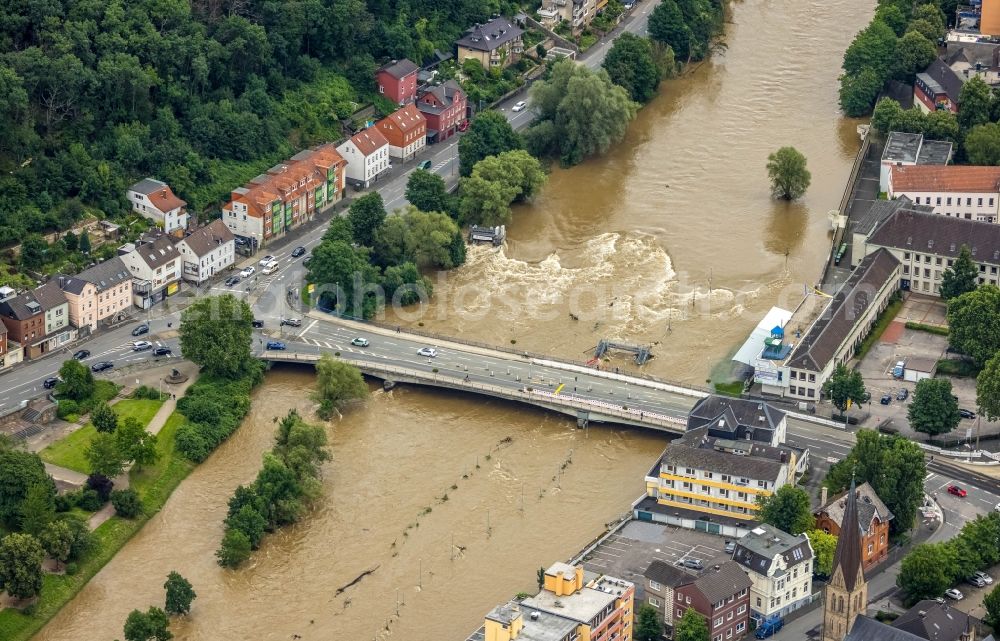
(628, 552)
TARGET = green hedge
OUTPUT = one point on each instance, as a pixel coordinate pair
(933, 329)
(959, 368)
(887, 316)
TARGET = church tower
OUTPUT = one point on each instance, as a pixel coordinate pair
(846, 595)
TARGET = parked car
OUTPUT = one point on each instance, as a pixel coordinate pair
(141, 346)
(964, 413)
(247, 272)
(730, 547)
(81, 354)
(275, 345)
(886, 399)
(360, 342)
(425, 165)
(101, 366)
(51, 382)
(298, 251)
(769, 628)
(976, 581)
(519, 106)
(693, 563)
(957, 491)
(232, 280)
(307, 260)
(140, 330)
(429, 352)
(162, 351)
(902, 394)
(292, 322)
(954, 593)
(257, 324)
(985, 577)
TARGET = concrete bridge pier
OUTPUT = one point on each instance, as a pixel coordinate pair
(582, 419)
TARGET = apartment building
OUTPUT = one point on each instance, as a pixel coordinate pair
(662, 580)
(155, 265)
(397, 81)
(102, 293)
(496, 44)
(958, 191)
(445, 108)
(720, 594)
(576, 13)
(38, 320)
(367, 154)
(780, 568)
(406, 131)
(207, 251)
(155, 200)
(873, 519)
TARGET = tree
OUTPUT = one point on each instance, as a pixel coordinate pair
(975, 103)
(691, 627)
(933, 410)
(84, 243)
(496, 182)
(427, 192)
(345, 278)
(988, 389)
(928, 19)
(961, 277)
(593, 115)
(234, 550)
(914, 53)
(127, 503)
(19, 471)
(57, 540)
(992, 605)
(666, 25)
(858, 92)
(135, 444)
(926, 571)
(104, 457)
(179, 594)
(540, 576)
(337, 383)
(844, 387)
(974, 323)
(648, 624)
(250, 522)
(887, 113)
(366, 215)
(787, 170)
(77, 381)
(38, 508)
(517, 168)
(216, 333)
(787, 509)
(823, 545)
(33, 252)
(21, 557)
(104, 418)
(147, 626)
(488, 135)
(982, 144)
(873, 48)
(893, 16)
(630, 64)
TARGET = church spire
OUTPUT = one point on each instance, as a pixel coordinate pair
(848, 554)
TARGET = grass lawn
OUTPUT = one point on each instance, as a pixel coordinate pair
(958, 367)
(71, 451)
(887, 316)
(734, 388)
(154, 485)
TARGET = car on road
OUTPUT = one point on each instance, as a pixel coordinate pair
(519, 106)
(954, 593)
(275, 345)
(964, 413)
(81, 354)
(307, 260)
(257, 324)
(141, 346)
(886, 399)
(292, 322)
(269, 269)
(957, 491)
(232, 280)
(691, 562)
(902, 394)
(425, 165)
(298, 251)
(360, 342)
(247, 272)
(730, 547)
(429, 352)
(985, 577)
(162, 351)
(267, 260)
(51, 382)
(140, 330)
(101, 366)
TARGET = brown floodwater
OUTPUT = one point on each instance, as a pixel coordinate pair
(671, 238)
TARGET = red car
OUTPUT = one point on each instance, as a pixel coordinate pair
(957, 491)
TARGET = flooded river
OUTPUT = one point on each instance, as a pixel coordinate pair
(672, 238)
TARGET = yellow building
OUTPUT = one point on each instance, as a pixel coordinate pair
(989, 21)
(497, 43)
(572, 606)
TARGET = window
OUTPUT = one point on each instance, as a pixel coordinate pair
(653, 585)
(906, 255)
(729, 633)
(949, 200)
(968, 202)
(939, 200)
(718, 622)
(740, 627)
(870, 547)
(653, 601)
(979, 201)
(758, 602)
(812, 393)
(742, 608)
(729, 617)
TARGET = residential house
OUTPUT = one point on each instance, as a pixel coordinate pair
(934, 621)
(367, 155)
(102, 293)
(289, 194)
(11, 352)
(780, 566)
(662, 581)
(873, 518)
(37, 320)
(738, 419)
(397, 81)
(975, 60)
(907, 150)
(406, 131)
(937, 88)
(207, 251)
(927, 244)
(58, 329)
(576, 13)
(959, 191)
(445, 108)
(155, 200)
(496, 44)
(155, 264)
(721, 594)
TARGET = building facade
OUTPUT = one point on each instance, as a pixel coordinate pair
(397, 81)
(289, 194)
(496, 44)
(155, 265)
(445, 109)
(958, 191)
(367, 155)
(937, 88)
(38, 321)
(780, 566)
(155, 200)
(873, 518)
(406, 131)
(576, 13)
(721, 594)
(908, 150)
(207, 251)
(662, 580)
(846, 594)
(100, 294)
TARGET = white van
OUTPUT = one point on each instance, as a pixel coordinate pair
(270, 269)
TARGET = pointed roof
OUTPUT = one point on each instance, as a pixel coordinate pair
(848, 554)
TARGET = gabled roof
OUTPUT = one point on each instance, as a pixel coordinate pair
(369, 141)
(940, 235)
(204, 239)
(147, 186)
(869, 506)
(944, 178)
(444, 95)
(736, 415)
(49, 296)
(489, 36)
(865, 629)
(110, 273)
(405, 119)
(157, 253)
(942, 79)
(667, 574)
(159, 193)
(399, 69)
(757, 549)
(935, 621)
(21, 307)
(722, 583)
(880, 210)
(847, 556)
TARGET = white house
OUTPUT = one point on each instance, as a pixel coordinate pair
(780, 566)
(959, 191)
(155, 265)
(155, 200)
(367, 155)
(207, 251)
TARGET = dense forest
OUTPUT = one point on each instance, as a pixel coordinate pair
(202, 94)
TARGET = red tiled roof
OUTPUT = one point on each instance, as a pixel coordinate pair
(937, 178)
(407, 119)
(369, 141)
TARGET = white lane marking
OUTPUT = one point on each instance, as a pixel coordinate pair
(308, 327)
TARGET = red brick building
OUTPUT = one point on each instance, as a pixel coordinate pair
(397, 81)
(721, 594)
(444, 107)
(873, 517)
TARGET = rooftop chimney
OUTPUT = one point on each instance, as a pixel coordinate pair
(823, 495)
